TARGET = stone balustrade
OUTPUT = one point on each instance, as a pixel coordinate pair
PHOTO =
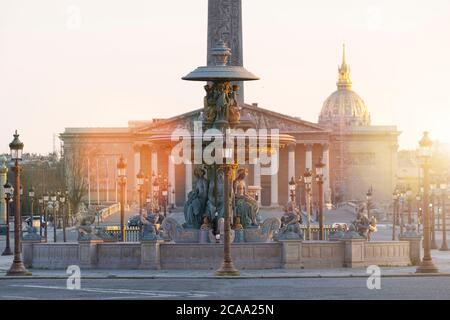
(289, 254)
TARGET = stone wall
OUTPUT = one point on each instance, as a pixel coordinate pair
(293, 254)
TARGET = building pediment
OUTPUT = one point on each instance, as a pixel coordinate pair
(251, 115)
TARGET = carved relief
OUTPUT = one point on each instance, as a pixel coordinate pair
(225, 23)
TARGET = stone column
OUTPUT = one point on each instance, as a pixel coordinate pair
(89, 253)
(155, 162)
(257, 178)
(225, 23)
(188, 179)
(309, 157)
(291, 164)
(3, 179)
(326, 174)
(171, 176)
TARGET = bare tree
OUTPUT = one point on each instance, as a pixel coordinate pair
(75, 159)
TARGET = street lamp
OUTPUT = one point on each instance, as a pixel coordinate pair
(45, 199)
(53, 199)
(307, 179)
(292, 188)
(395, 197)
(62, 200)
(227, 268)
(9, 191)
(31, 197)
(409, 200)
(419, 211)
(17, 267)
(320, 180)
(434, 195)
(425, 152)
(122, 177)
(444, 246)
(369, 200)
(140, 182)
(155, 194)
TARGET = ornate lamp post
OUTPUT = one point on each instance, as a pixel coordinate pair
(433, 206)
(41, 209)
(9, 191)
(46, 199)
(53, 199)
(31, 197)
(395, 197)
(17, 267)
(222, 112)
(427, 265)
(165, 194)
(292, 188)
(122, 177)
(402, 212)
(140, 182)
(409, 200)
(62, 201)
(419, 211)
(369, 200)
(307, 179)
(320, 180)
(155, 195)
(444, 246)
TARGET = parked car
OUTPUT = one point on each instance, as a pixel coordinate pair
(342, 224)
(134, 221)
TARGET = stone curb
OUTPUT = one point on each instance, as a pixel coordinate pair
(318, 276)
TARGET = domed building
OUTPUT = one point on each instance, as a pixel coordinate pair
(361, 155)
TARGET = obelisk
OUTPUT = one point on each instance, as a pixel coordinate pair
(225, 23)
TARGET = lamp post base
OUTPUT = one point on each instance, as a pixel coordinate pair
(7, 252)
(18, 269)
(227, 269)
(427, 266)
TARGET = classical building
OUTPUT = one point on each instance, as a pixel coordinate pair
(357, 155)
(362, 155)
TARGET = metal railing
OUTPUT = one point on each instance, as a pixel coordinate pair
(132, 234)
(328, 230)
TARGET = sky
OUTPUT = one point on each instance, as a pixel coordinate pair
(84, 63)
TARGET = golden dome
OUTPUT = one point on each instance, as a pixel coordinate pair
(344, 108)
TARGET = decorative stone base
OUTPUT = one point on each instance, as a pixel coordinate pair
(153, 255)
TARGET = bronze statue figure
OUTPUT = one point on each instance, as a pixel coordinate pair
(195, 206)
(245, 206)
